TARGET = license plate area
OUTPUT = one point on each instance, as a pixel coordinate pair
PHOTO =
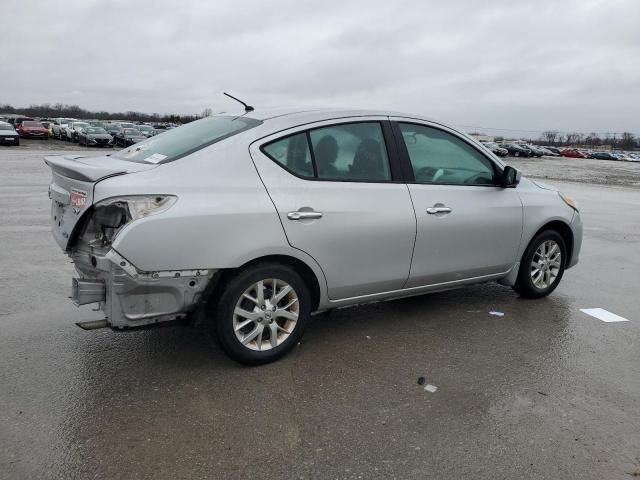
(69, 200)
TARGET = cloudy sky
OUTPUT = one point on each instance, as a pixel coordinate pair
(507, 64)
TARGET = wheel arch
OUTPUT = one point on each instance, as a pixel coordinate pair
(299, 266)
(565, 232)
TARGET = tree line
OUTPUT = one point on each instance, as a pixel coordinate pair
(47, 110)
(554, 138)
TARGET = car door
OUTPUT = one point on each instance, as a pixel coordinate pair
(467, 225)
(339, 194)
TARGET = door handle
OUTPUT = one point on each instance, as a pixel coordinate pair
(435, 210)
(303, 215)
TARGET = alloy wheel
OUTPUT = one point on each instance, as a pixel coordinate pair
(546, 264)
(266, 314)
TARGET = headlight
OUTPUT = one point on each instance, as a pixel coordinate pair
(569, 201)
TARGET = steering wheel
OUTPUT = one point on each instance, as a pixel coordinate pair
(478, 178)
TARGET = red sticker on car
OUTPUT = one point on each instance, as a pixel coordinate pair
(78, 198)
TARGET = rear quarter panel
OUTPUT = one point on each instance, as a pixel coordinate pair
(223, 217)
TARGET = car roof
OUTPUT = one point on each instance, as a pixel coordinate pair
(324, 113)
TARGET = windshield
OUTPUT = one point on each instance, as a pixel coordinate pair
(80, 124)
(5, 126)
(189, 138)
(144, 128)
(132, 132)
(126, 125)
(96, 130)
(31, 124)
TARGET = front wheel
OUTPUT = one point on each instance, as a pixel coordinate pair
(542, 265)
(262, 313)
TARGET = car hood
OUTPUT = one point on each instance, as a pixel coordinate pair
(93, 169)
(99, 135)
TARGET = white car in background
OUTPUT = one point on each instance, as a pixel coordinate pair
(60, 126)
(73, 129)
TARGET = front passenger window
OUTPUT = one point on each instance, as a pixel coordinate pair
(438, 157)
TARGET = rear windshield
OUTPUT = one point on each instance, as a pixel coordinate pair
(189, 138)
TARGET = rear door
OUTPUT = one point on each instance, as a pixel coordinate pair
(467, 225)
(339, 195)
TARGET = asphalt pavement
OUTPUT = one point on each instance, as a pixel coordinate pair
(426, 387)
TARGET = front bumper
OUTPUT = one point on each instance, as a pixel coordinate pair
(576, 229)
(131, 298)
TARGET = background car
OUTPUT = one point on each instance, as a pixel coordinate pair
(8, 134)
(548, 153)
(111, 128)
(72, 130)
(516, 150)
(32, 129)
(94, 137)
(573, 153)
(59, 126)
(496, 149)
(128, 136)
(603, 156)
(146, 130)
(535, 151)
(18, 119)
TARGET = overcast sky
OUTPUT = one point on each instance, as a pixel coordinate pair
(522, 65)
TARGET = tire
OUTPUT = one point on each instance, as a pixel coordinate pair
(537, 285)
(261, 323)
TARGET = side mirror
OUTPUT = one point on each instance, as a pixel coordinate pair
(510, 177)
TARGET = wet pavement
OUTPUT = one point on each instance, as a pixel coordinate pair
(544, 391)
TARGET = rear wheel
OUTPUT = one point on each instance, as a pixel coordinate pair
(542, 265)
(262, 313)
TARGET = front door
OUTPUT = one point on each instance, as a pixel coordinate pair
(341, 201)
(467, 225)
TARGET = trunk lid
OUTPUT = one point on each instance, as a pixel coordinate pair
(72, 184)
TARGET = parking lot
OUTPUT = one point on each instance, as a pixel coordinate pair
(541, 391)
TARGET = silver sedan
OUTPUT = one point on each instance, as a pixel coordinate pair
(255, 221)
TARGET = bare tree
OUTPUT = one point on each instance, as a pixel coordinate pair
(206, 112)
(550, 137)
(571, 138)
(628, 141)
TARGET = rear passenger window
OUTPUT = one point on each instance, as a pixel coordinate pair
(292, 153)
(351, 151)
(346, 152)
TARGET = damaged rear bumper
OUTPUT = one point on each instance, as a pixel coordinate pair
(131, 298)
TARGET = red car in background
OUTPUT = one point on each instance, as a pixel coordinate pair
(573, 153)
(32, 129)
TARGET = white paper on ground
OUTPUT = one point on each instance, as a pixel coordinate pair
(497, 314)
(430, 388)
(604, 315)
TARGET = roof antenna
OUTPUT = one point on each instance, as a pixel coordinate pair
(247, 108)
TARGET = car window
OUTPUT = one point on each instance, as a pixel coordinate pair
(351, 151)
(292, 153)
(186, 139)
(437, 157)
